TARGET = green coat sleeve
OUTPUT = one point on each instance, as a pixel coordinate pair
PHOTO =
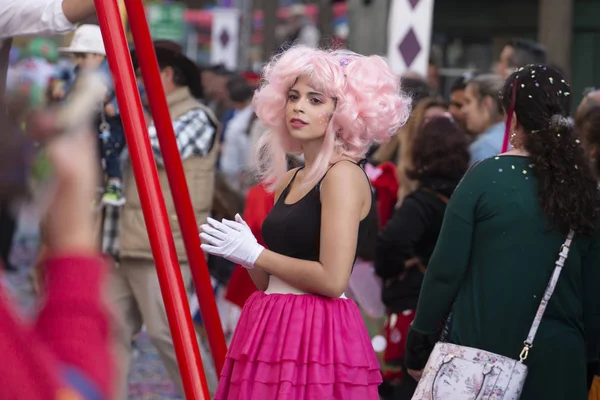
(450, 260)
(591, 299)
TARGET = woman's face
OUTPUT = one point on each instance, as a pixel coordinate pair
(307, 111)
(474, 112)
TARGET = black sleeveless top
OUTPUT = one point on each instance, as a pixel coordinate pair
(294, 230)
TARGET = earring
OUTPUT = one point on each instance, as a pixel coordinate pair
(512, 140)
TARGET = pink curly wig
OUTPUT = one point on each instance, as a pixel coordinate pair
(370, 107)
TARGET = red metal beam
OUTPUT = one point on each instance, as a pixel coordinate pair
(175, 173)
(153, 205)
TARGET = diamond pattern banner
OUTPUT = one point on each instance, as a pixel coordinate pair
(409, 35)
(413, 3)
(409, 47)
(225, 37)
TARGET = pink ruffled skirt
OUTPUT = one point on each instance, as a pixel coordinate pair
(295, 347)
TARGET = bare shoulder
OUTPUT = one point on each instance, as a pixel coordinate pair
(284, 182)
(347, 179)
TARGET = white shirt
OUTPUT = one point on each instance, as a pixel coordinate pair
(32, 18)
(236, 145)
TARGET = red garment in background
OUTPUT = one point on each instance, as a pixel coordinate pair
(386, 186)
(252, 78)
(259, 203)
(65, 353)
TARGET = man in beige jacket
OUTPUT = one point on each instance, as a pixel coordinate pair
(134, 288)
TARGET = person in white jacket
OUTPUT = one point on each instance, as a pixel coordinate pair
(42, 17)
(37, 18)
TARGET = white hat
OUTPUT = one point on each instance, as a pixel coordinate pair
(87, 39)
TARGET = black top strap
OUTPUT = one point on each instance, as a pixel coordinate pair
(359, 164)
(287, 188)
(331, 166)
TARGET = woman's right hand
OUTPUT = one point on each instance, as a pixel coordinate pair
(418, 349)
(232, 240)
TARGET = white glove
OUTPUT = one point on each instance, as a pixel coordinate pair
(232, 240)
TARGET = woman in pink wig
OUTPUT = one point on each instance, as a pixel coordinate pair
(299, 337)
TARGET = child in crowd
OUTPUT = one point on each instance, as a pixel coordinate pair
(87, 50)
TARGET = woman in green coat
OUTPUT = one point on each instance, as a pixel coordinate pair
(502, 232)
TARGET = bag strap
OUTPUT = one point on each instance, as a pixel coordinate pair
(440, 196)
(560, 262)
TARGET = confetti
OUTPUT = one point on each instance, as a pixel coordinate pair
(496, 158)
(522, 85)
(577, 141)
(576, 167)
(530, 96)
(551, 80)
(499, 169)
(537, 84)
(512, 166)
(524, 172)
(566, 94)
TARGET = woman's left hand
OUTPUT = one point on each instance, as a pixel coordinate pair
(416, 375)
(232, 240)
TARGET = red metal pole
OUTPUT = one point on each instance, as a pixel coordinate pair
(153, 205)
(177, 182)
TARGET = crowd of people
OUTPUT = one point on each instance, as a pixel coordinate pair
(332, 195)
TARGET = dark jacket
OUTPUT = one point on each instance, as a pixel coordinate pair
(411, 232)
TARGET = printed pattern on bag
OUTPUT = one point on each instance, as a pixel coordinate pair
(463, 373)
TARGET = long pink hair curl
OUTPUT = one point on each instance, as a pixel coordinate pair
(370, 108)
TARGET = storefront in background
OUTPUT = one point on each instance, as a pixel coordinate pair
(469, 35)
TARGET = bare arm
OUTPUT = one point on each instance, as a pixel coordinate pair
(259, 276)
(345, 200)
(78, 10)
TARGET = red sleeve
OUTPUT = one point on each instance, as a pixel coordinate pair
(74, 322)
(67, 349)
(28, 370)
